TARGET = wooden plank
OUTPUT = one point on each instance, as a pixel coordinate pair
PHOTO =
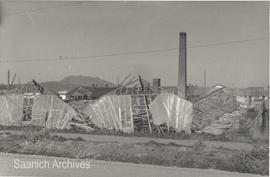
(147, 113)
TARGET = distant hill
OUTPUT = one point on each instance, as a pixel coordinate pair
(86, 81)
(57, 86)
(71, 82)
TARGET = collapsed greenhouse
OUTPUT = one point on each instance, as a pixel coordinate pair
(211, 108)
(219, 112)
(141, 106)
(34, 105)
(137, 106)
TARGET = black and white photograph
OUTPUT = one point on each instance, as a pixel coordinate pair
(134, 88)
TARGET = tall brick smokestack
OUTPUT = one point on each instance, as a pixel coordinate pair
(182, 65)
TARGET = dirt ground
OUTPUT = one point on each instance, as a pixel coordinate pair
(197, 155)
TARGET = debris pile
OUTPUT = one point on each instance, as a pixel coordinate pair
(218, 112)
(141, 106)
(137, 106)
(225, 122)
(213, 113)
(83, 121)
(259, 126)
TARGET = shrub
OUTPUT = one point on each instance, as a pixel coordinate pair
(33, 135)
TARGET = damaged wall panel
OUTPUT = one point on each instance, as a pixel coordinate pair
(46, 110)
(116, 112)
(11, 110)
(172, 110)
(112, 112)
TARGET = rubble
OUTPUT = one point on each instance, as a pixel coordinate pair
(207, 110)
(137, 106)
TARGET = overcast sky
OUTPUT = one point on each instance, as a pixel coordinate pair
(55, 29)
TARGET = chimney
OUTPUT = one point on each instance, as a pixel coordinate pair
(182, 65)
(156, 82)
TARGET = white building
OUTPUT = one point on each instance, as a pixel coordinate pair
(63, 94)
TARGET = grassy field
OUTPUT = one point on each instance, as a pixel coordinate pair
(199, 155)
(243, 136)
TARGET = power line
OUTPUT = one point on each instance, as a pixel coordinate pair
(45, 8)
(39, 9)
(229, 42)
(60, 58)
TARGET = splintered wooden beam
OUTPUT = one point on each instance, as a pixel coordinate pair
(147, 113)
(10, 84)
(146, 105)
(8, 79)
(142, 86)
(151, 87)
(39, 87)
(125, 79)
(12, 81)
